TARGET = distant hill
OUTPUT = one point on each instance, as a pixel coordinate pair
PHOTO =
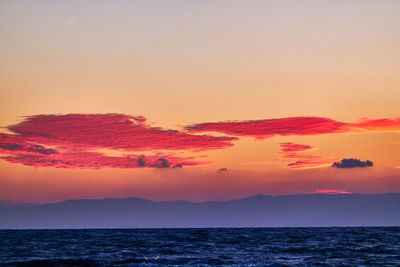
(255, 211)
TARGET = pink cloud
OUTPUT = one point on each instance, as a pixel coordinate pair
(62, 140)
(385, 124)
(271, 127)
(94, 160)
(71, 141)
(292, 147)
(112, 131)
(295, 152)
(306, 164)
(294, 126)
(331, 191)
(16, 145)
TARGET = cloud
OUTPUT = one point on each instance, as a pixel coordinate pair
(270, 127)
(141, 161)
(302, 161)
(385, 124)
(352, 163)
(161, 163)
(223, 170)
(14, 144)
(71, 141)
(307, 164)
(292, 147)
(294, 126)
(179, 165)
(262, 162)
(111, 131)
(331, 191)
(55, 140)
(95, 160)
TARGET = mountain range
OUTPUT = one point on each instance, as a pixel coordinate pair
(313, 210)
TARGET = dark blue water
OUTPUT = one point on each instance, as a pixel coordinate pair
(371, 246)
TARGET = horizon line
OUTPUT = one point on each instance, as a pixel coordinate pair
(188, 201)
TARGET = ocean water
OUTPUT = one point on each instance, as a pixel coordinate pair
(342, 246)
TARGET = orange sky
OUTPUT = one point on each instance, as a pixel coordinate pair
(180, 63)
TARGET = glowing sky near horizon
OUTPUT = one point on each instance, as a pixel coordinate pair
(198, 100)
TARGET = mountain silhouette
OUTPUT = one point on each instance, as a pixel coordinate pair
(257, 211)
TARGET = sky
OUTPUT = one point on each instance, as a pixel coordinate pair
(198, 100)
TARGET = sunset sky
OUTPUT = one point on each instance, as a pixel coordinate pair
(198, 100)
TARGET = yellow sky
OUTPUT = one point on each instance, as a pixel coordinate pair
(184, 62)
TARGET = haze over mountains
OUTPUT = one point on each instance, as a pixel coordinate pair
(256, 211)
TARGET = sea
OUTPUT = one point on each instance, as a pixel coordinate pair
(331, 246)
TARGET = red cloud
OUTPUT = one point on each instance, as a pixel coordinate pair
(268, 128)
(70, 141)
(385, 124)
(292, 147)
(294, 126)
(291, 151)
(16, 145)
(95, 160)
(112, 131)
(306, 164)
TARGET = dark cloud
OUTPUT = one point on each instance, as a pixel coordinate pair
(223, 170)
(352, 163)
(177, 166)
(141, 161)
(12, 147)
(162, 163)
(15, 144)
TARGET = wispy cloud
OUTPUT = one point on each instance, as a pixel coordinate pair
(262, 162)
(93, 160)
(296, 152)
(292, 147)
(331, 191)
(271, 127)
(385, 124)
(294, 126)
